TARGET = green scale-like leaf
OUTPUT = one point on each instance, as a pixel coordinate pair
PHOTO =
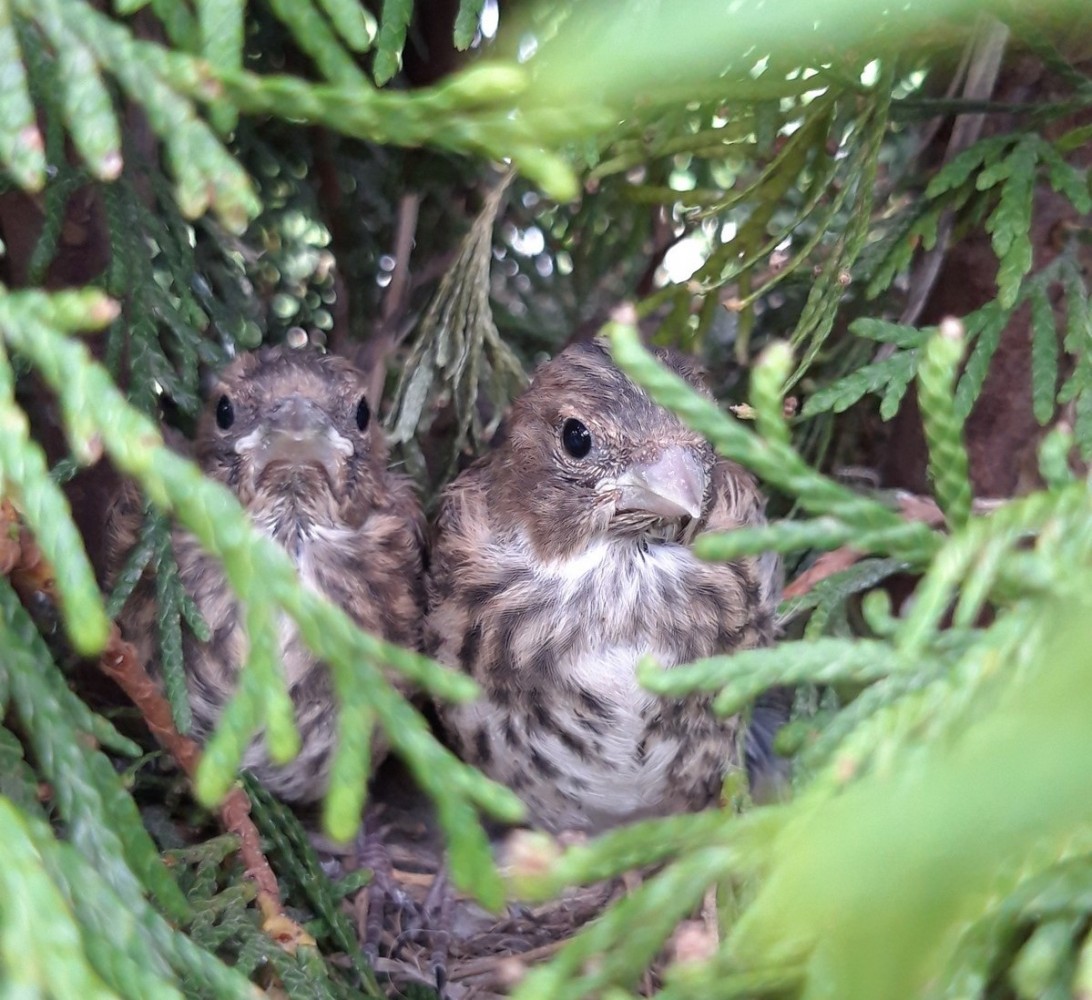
(21, 148)
(891, 376)
(262, 571)
(1044, 356)
(44, 506)
(393, 24)
(103, 819)
(466, 22)
(1010, 223)
(40, 943)
(88, 109)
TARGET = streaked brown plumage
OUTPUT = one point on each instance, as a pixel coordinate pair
(560, 559)
(289, 432)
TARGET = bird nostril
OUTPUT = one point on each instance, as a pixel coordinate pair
(294, 414)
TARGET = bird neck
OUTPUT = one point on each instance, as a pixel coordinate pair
(291, 515)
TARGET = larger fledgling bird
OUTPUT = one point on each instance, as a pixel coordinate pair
(290, 433)
(561, 558)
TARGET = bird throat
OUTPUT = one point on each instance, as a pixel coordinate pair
(292, 501)
(649, 530)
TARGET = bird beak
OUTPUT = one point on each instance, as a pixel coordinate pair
(673, 485)
(296, 432)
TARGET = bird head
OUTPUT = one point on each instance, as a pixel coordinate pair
(292, 423)
(587, 455)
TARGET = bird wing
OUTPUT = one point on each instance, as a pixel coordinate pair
(736, 502)
(461, 532)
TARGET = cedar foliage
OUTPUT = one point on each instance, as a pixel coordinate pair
(937, 840)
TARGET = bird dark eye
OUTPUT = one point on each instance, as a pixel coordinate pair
(363, 414)
(225, 413)
(576, 438)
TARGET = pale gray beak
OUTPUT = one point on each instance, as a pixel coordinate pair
(297, 432)
(673, 485)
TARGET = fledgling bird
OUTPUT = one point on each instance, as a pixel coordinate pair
(290, 433)
(560, 559)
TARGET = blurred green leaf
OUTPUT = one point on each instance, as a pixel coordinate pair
(914, 854)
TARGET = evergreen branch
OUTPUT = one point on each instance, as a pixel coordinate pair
(956, 793)
(456, 344)
(826, 753)
(207, 175)
(22, 153)
(617, 946)
(31, 574)
(768, 392)
(241, 718)
(354, 23)
(817, 319)
(120, 664)
(1054, 451)
(538, 871)
(393, 23)
(1043, 964)
(834, 577)
(741, 675)
(39, 940)
(774, 462)
(931, 706)
(1010, 223)
(54, 199)
(18, 782)
(263, 664)
(483, 93)
(85, 101)
(919, 229)
(1067, 180)
(720, 979)
(297, 861)
(262, 573)
(103, 819)
(983, 155)
(316, 38)
(466, 22)
(136, 562)
(26, 480)
(892, 375)
(986, 326)
(222, 27)
(777, 536)
(1017, 519)
(99, 905)
(168, 595)
(1064, 889)
(177, 19)
(1044, 355)
(948, 465)
(355, 733)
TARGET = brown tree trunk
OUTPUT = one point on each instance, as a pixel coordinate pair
(1002, 434)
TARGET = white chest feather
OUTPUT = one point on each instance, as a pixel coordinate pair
(311, 545)
(617, 592)
(609, 600)
(312, 548)
(319, 546)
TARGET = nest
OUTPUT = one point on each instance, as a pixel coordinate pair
(430, 934)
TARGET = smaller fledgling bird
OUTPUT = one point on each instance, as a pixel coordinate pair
(560, 559)
(290, 433)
